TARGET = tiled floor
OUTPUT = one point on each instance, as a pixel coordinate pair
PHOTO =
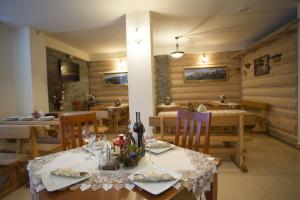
(273, 174)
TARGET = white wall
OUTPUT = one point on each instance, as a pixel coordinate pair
(63, 47)
(30, 70)
(7, 85)
(39, 71)
(140, 67)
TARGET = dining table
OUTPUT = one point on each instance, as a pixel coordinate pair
(198, 173)
(223, 105)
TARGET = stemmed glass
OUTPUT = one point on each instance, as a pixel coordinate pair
(89, 136)
(102, 140)
(104, 154)
(149, 139)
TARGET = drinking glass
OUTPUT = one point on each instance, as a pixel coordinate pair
(149, 139)
(89, 136)
(104, 156)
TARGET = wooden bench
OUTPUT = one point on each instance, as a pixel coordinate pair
(13, 173)
(259, 109)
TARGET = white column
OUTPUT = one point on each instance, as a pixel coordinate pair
(140, 66)
(21, 63)
(298, 75)
(30, 71)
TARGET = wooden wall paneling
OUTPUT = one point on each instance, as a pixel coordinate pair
(279, 88)
(183, 92)
(104, 93)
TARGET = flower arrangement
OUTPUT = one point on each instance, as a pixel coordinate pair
(130, 153)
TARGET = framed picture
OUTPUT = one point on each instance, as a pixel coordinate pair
(261, 65)
(115, 78)
(202, 74)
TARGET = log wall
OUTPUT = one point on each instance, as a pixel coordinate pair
(106, 94)
(278, 88)
(184, 92)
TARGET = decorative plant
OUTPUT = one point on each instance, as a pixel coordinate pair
(58, 97)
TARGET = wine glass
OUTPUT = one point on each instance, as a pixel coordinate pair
(104, 156)
(149, 139)
(89, 136)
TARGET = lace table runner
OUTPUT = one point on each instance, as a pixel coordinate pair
(197, 170)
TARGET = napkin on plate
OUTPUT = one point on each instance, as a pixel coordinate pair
(68, 172)
(153, 177)
(159, 144)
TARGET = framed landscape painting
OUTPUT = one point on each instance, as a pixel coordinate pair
(115, 78)
(261, 65)
(202, 74)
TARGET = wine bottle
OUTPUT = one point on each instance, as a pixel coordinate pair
(139, 129)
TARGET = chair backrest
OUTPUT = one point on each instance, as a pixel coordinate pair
(71, 127)
(19, 133)
(190, 119)
(101, 115)
(14, 132)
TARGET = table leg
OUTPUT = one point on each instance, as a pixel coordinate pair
(116, 121)
(213, 193)
(161, 121)
(239, 158)
(33, 142)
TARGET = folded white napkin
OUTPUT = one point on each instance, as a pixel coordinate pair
(153, 177)
(68, 172)
(159, 144)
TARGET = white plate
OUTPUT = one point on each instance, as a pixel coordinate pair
(26, 118)
(53, 182)
(47, 118)
(14, 118)
(158, 187)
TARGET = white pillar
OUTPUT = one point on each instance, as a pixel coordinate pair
(30, 71)
(298, 75)
(140, 66)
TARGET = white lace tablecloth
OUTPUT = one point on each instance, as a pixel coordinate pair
(197, 170)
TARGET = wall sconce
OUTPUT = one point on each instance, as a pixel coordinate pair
(247, 65)
(137, 36)
(204, 59)
(121, 65)
(70, 57)
(276, 58)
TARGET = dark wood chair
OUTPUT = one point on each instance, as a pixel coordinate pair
(190, 120)
(71, 128)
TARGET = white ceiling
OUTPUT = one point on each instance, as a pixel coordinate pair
(98, 26)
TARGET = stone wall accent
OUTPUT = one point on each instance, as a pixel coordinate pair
(162, 68)
(72, 90)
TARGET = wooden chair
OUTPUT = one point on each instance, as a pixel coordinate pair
(189, 120)
(101, 116)
(71, 128)
(13, 173)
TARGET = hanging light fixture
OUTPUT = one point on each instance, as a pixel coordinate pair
(177, 53)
